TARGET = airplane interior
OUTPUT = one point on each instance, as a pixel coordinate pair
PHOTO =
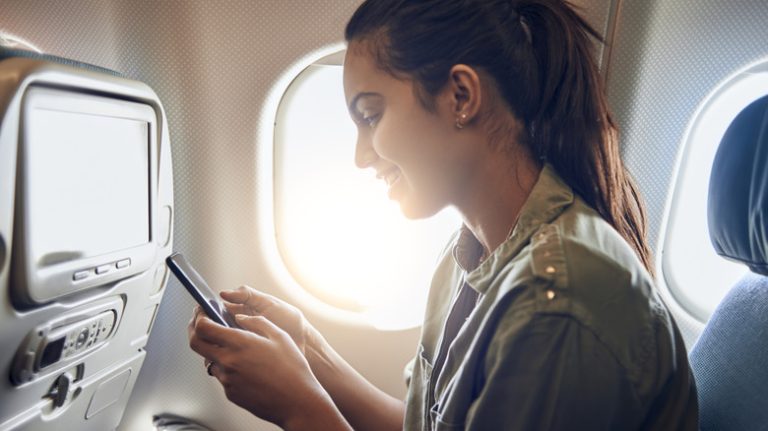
(228, 139)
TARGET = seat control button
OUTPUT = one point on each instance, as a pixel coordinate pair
(103, 269)
(81, 275)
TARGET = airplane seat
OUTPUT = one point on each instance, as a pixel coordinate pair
(730, 359)
(86, 204)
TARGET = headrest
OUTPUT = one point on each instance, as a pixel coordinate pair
(738, 190)
(7, 52)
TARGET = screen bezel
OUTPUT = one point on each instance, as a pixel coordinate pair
(44, 284)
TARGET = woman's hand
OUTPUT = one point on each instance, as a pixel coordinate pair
(361, 403)
(250, 302)
(263, 371)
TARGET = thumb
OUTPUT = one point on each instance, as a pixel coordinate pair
(249, 296)
(238, 296)
(259, 325)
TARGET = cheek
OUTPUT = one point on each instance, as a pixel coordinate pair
(411, 139)
(423, 152)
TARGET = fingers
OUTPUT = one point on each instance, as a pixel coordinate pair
(211, 352)
(241, 295)
(248, 296)
(260, 325)
(211, 340)
(208, 336)
(235, 309)
(196, 310)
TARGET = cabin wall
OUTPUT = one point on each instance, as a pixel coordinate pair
(667, 58)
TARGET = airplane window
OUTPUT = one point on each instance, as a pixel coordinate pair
(338, 235)
(695, 275)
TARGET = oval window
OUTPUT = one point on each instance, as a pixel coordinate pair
(337, 234)
(695, 275)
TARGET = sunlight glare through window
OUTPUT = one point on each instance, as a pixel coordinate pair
(339, 235)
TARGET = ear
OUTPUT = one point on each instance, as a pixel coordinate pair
(465, 93)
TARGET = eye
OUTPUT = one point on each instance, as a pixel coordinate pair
(367, 109)
(370, 117)
(371, 120)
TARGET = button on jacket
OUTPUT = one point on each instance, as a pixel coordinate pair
(564, 330)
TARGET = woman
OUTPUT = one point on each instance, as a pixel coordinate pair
(542, 312)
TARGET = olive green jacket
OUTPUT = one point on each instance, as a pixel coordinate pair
(567, 333)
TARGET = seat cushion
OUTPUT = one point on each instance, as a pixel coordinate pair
(730, 360)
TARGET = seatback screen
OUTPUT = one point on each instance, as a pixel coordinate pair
(87, 185)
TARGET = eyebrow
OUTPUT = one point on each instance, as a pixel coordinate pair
(353, 104)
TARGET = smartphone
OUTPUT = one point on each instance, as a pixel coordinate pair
(197, 287)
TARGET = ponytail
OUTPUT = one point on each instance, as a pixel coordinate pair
(572, 128)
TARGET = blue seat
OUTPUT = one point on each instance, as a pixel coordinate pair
(730, 359)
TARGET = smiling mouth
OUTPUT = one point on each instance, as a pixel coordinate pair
(390, 176)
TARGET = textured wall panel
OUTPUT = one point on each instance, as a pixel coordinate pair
(668, 56)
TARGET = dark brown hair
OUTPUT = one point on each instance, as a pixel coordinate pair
(539, 52)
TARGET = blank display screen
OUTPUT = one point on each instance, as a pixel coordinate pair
(87, 184)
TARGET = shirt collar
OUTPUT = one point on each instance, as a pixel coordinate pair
(467, 250)
(549, 197)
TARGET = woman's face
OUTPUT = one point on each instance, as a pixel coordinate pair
(416, 152)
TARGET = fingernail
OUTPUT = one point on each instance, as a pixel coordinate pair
(241, 317)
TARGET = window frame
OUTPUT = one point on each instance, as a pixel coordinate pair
(729, 98)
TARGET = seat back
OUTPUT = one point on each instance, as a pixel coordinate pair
(86, 204)
(730, 359)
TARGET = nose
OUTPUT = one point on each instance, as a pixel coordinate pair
(365, 155)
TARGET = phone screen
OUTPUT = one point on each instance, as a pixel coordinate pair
(199, 289)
